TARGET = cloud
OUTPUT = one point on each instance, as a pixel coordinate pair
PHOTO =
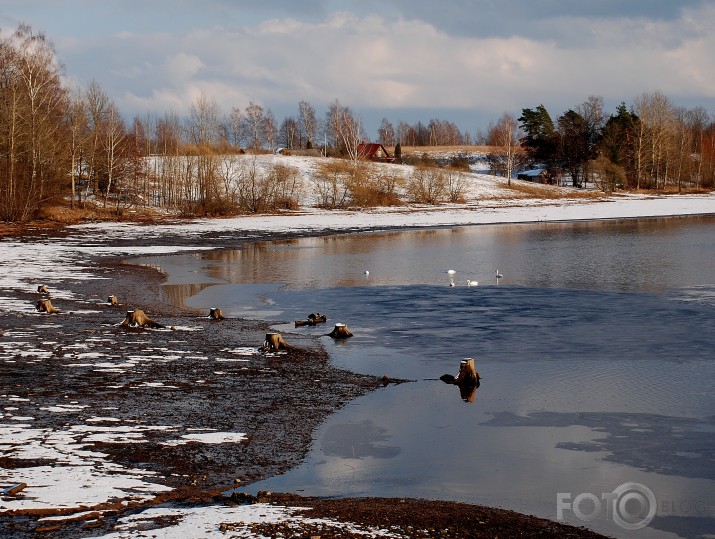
(456, 55)
(182, 66)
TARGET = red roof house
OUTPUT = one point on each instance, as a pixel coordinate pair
(373, 152)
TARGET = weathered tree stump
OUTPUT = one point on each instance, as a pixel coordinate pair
(340, 331)
(42, 289)
(45, 306)
(138, 318)
(313, 320)
(274, 342)
(467, 380)
(467, 373)
(215, 313)
(113, 300)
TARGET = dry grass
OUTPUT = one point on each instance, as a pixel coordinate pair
(420, 150)
(61, 213)
(521, 189)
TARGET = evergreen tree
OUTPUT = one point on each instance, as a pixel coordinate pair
(574, 150)
(541, 139)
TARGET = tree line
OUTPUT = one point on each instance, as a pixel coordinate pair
(651, 145)
(73, 143)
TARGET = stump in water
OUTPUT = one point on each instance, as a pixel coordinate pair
(45, 306)
(340, 331)
(42, 289)
(274, 342)
(138, 318)
(467, 380)
(313, 320)
(113, 300)
(215, 313)
(467, 373)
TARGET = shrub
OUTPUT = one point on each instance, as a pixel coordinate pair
(427, 185)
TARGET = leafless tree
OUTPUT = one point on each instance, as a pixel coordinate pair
(236, 123)
(77, 128)
(203, 129)
(114, 135)
(504, 138)
(289, 133)
(386, 133)
(254, 126)
(592, 112)
(308, 124)
(270, 129)
(98, 103)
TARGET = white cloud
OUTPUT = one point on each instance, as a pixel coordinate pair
(387, 58)
(182, 66)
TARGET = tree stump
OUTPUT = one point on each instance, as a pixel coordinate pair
(215, 313)
(340, 331)
(313, 320)
(467, 373)
(42, 289)
(113, 300)
(274, 342)
(45, 306)
(138, 318)
(317, 318)
(467, 380)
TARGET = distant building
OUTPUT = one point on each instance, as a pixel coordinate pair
(538, 175)
(373, 152)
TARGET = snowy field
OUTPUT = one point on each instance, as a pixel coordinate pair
(73, 479)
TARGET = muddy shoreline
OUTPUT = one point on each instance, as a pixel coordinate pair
(276, 400)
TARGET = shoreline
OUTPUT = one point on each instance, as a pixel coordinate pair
(86, 293)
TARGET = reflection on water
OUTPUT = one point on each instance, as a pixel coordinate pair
(595, 351)
(650, 255)
(356, 441)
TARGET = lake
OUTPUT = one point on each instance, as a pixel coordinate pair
(595, 348)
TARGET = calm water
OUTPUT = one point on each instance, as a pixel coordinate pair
(596, 352)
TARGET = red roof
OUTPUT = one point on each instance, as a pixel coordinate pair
(376, 152)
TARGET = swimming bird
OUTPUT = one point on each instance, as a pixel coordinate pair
(472, 283)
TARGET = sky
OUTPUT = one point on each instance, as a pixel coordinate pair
(462, 61)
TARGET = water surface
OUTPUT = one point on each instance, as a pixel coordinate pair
(595, 348)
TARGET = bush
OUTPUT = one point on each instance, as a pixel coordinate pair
(427, 185)
(609, 176)
(330, 183)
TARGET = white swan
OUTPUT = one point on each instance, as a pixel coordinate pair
(472, 283)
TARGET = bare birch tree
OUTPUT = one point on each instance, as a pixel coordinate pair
(308, 124)
(504, 138)
(203, 128)
(114, 135)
